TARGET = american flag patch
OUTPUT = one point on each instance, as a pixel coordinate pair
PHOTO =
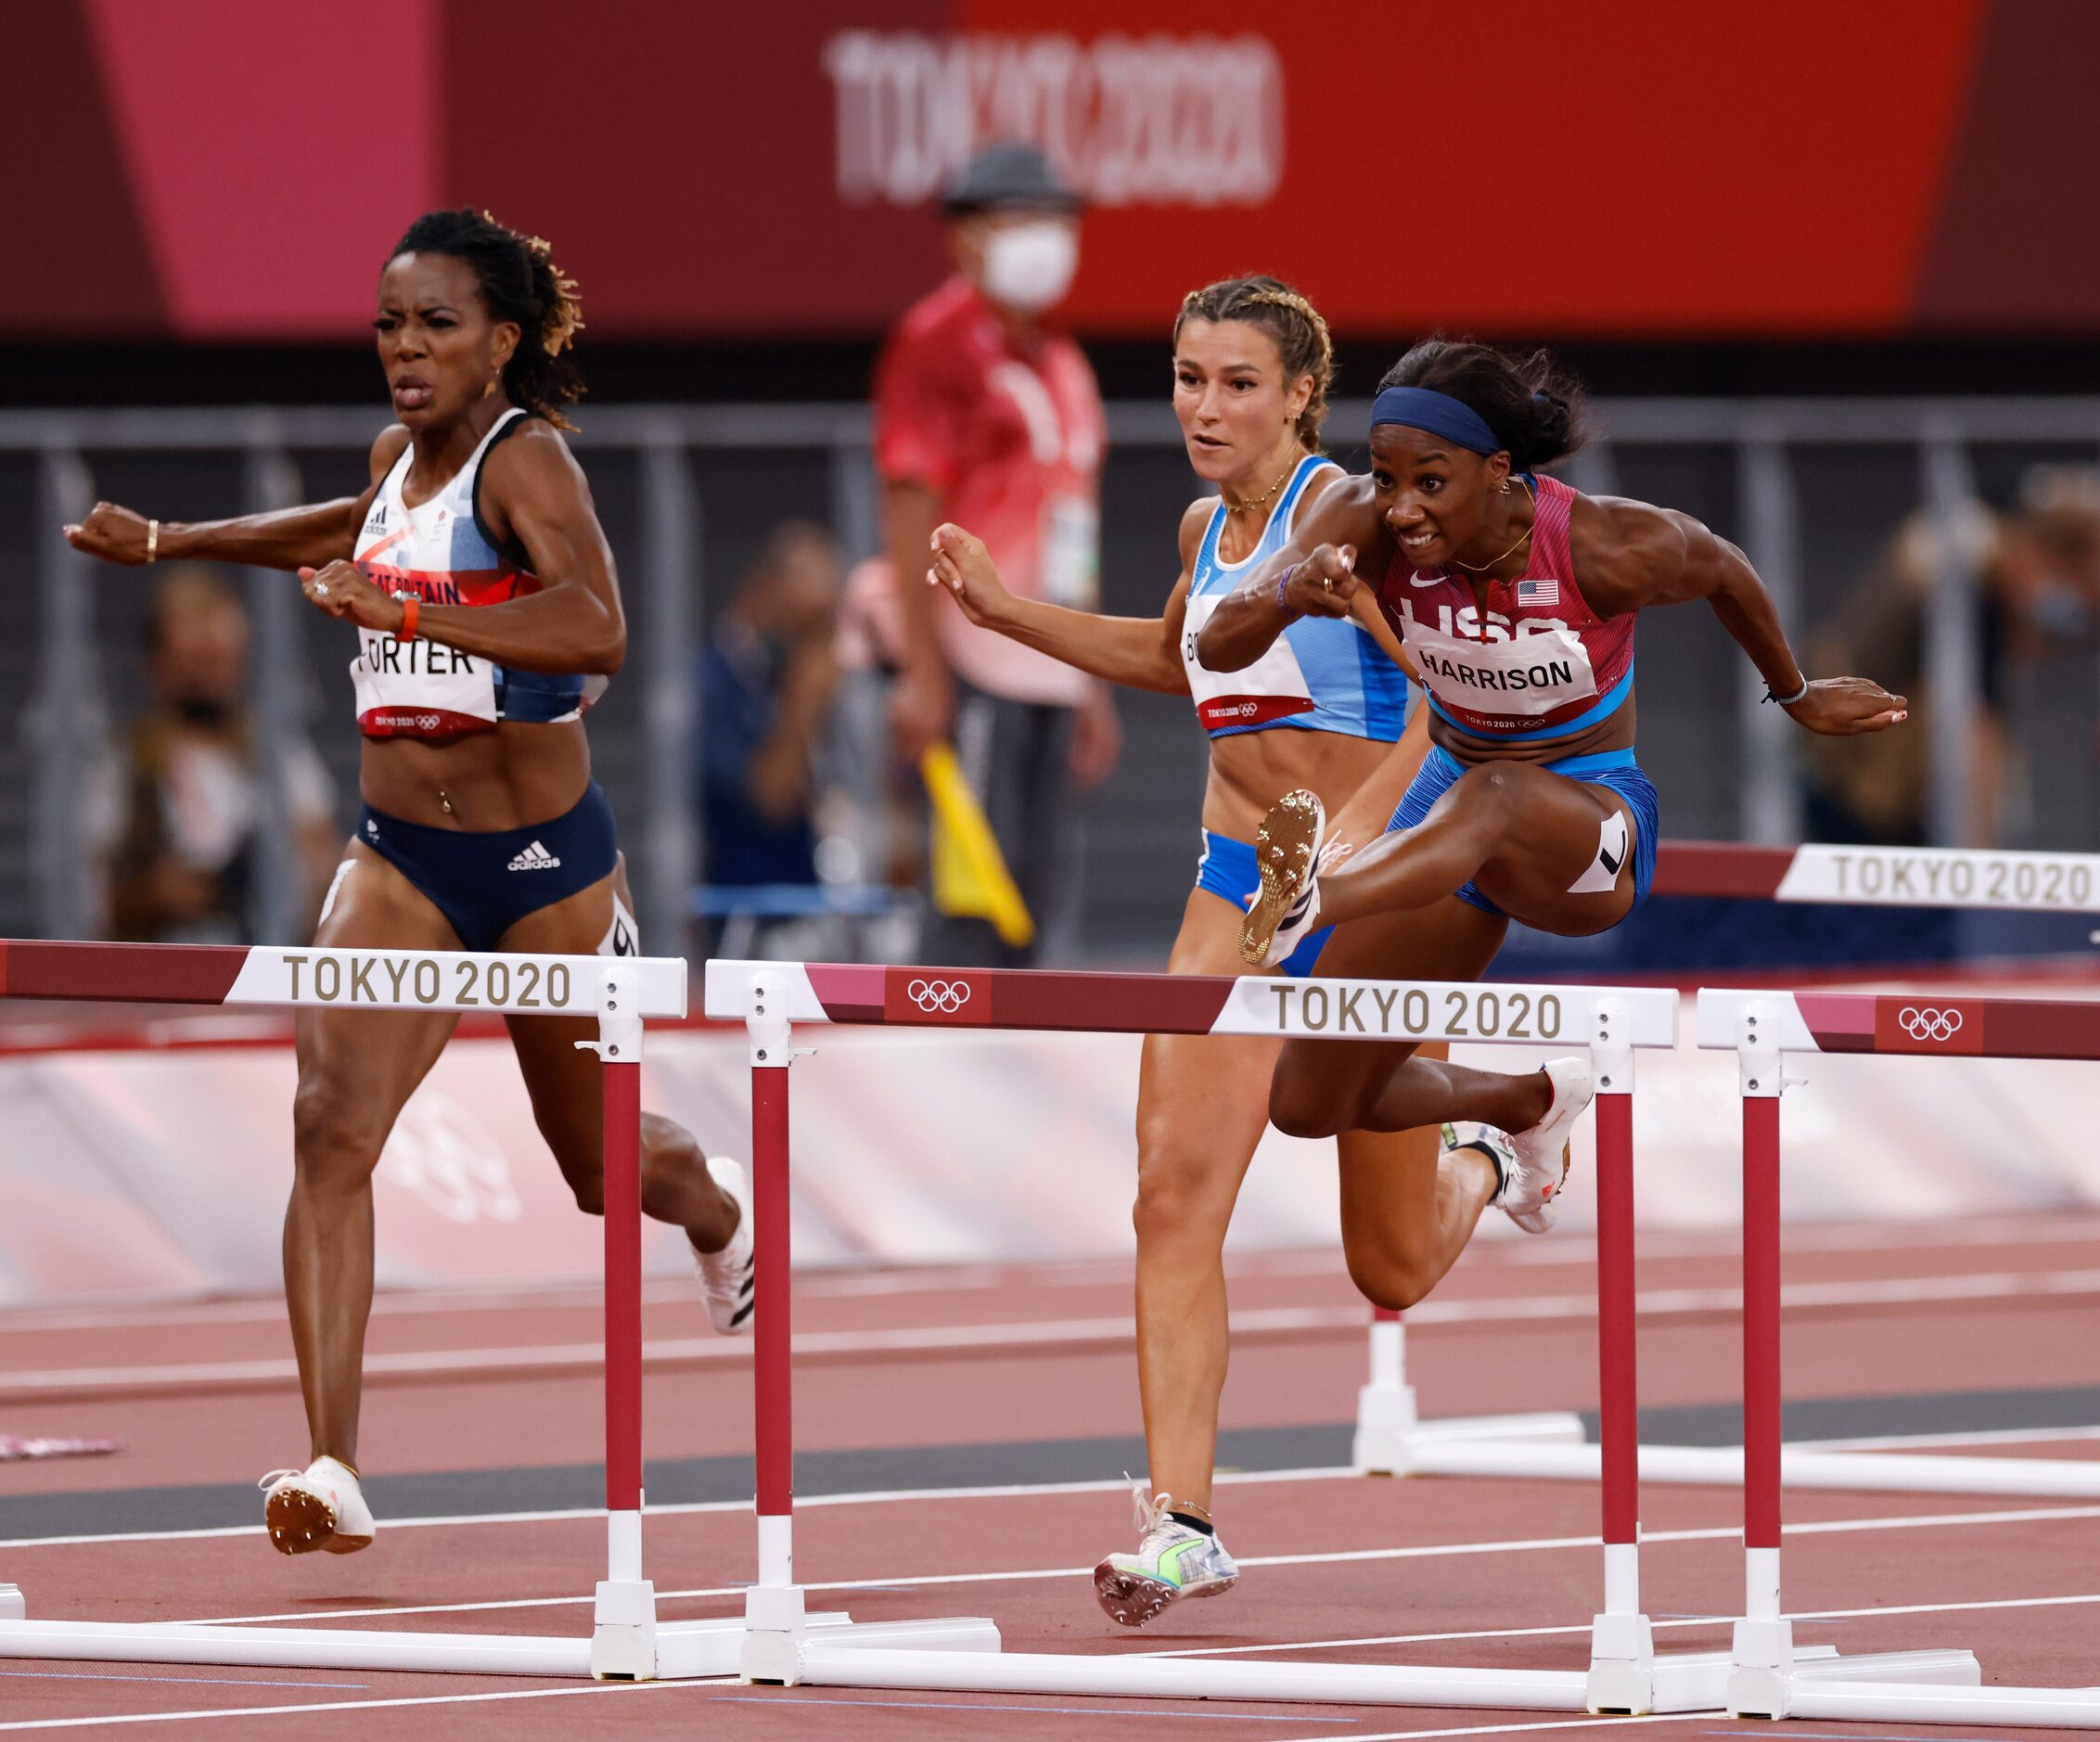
(1538, 593)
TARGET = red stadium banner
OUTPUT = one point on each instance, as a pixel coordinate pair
(1789, 169)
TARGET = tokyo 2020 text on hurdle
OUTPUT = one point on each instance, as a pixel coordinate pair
(778, 1639)
(622, 994)
(1391, 1437)
(1625, 1675)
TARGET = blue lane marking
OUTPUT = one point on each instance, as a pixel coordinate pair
(1069, 1711)
(185, 1681)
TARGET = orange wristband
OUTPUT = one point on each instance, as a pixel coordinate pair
(411, 609)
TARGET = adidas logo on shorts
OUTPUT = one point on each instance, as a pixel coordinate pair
(535, 858)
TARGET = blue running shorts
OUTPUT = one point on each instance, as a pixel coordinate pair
(483, 884)
(1615, 769)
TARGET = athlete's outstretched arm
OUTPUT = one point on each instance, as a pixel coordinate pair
(1138, 652)
(1321, 560)
(286, 538)
(535, 495)
(1631, 555)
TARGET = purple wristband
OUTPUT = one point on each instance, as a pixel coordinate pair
(1283, 586)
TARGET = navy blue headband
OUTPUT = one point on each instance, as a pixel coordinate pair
(1423, 408)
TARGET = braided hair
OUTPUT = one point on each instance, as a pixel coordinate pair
(1301, 336)
(520, 283)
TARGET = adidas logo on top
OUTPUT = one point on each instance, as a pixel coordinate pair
(535, 858)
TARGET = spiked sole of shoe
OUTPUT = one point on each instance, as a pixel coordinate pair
(1130, 1599)
(299, 1522)
(1284, 849)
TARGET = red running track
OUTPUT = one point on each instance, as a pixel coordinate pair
(1877, 1312)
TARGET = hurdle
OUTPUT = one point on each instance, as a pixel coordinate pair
(1763, 1028)
(1625, 1673)
(626, 1641)
(1391, 1438)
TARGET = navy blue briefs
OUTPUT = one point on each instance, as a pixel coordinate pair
(484, 884)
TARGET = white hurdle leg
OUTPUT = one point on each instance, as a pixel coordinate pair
(1393, 1440)
(1385, 1405)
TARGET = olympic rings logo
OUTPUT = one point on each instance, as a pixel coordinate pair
(1927, 1024)
(944, 996)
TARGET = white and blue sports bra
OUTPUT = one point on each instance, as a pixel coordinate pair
(1321, 674)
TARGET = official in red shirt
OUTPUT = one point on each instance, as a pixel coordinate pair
(988, 416)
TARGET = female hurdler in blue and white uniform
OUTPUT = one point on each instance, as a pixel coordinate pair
(1323, 707)
(488, 615)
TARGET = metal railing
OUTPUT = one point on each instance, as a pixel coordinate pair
(666, 556)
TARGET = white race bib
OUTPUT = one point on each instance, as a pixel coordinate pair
(1529, 675)
(1274, 688)
(420, 688)
(1070, 573)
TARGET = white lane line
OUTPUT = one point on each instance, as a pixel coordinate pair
(778, 1697)
(1564, 1251)
(609, 1689)
(1516, 1545)
(872, 1496)
(179, 1680)
(1510, 1729)
(1067, 1333)
(1583, 1627)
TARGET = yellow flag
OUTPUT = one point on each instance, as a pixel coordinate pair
(970, 879)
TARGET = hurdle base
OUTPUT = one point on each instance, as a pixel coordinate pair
(828, 1665)
(776, 1623)
(1764, 1661)
(682, 1649)
(1768, 1673)
(1925, 1702)
(623, 1630)
(12, 1608)
(777, 1631)
(1622, 1665)
(1440, 1450)
(1392, 1441)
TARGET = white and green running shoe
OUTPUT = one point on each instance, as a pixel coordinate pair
(1174, 1560)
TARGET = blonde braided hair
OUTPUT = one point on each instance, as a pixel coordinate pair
(1301, 336)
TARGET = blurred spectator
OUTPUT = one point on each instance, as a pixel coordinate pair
(767, 677)
(175, 811)
(2037, 593)
(987, 416)
(2052, 557)
(1875, 789)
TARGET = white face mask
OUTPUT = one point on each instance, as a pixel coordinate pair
(1029, 266)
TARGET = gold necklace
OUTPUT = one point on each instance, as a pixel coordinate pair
(1514, 548)
(1241, 507)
